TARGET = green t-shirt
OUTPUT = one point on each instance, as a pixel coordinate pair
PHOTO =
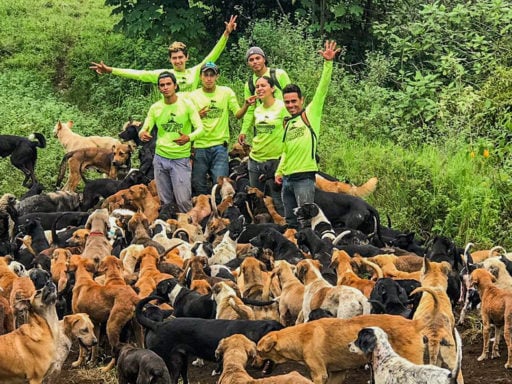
(299, 146)
(216, 121)
(267, 142)
(171, 119)
(282, 78)
(188, 80)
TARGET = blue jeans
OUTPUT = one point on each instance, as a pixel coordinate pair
(295, 193)
(213, 161)
(172, 177)
(261, 176)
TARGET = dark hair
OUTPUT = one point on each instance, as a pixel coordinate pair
(292, 88)
(166, 74)
(270, 81)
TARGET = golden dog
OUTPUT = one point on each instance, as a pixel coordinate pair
(6, 316)
(72, 141)
(435, 310)
(292, 292)
(105, 160)
(229, 305)
(97, 246)
(34, 339)
(496, 309)
(59, 268)
(139, 197)
(201, 209)
(235, 350)
(149, 275)
(7, 278)
(323, 345)
(348, 189)
(22, 290)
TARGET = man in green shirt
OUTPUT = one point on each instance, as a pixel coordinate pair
(174, 117)
(298, 166)
(214, 102)
(188, 79)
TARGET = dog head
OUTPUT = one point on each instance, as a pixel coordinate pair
(307, 270)
(165, 287)
(237, 342)
(306, 211)
(130, 131)
(389, 297)
(44, 299)
(59, 126)
(18, 268)
(481, 278)
(135, 177)
(240, 150)
(82, 329)
(122, 155)
(78, 238)
(366, 341)
(39, 277)
(202, 248)
(265, 239)
(98, 221)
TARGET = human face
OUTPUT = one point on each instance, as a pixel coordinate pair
(167, 87)
(263, 89)
(293, 102)
(257, 64)
(178, 61)
(208, 80)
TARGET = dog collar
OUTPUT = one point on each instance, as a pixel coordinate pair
(96, 233)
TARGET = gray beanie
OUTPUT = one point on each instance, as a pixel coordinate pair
(254, 51)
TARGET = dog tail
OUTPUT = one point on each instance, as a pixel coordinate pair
(81, 169)
(258, 303)
(458, 344)
(244, 313)
(141, 318)
(375, 267)
(435, 308)
(62, 168)
(213, 198)
(366, 189)
(41, 140)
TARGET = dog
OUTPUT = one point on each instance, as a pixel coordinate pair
(335, 186)
(496, 309)
(225, 251)
(176, 339)
(201, 210)
(59, 201)
(322, 345)
(319, 223)
(292, 292)
(234, 351)
(149, 275)
(105, 160)
(392, 297)
(97, 246)
(72, 141)
(390, 368)
(36, 338)
(137, 365)
(229, 305)
(146, 148)
(23, 154)
(282, 248)
(75, 327)
(140, 197)
(343, 301)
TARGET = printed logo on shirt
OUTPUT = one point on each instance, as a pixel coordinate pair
(214, 112)
(264, 127)
(295, 132)
(172, 125)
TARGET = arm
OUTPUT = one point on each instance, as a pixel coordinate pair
(148, 123)
(221, 44)
(134, 74)
(247, 103)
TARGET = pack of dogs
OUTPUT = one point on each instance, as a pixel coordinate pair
(111, 270)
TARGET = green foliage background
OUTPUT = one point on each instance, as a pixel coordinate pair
(422, 101)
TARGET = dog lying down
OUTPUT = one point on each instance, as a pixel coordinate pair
(391, 368)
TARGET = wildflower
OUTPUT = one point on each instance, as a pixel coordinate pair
(486, 153)
(472, 154)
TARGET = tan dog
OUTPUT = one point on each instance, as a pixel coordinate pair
(201, 209)
(76, 327)
(227, 191)
(7, 278)
(201, 286)
(401, 263)
(72, 141)
(435, 310)
(292, 292)
(194, 232)
(229, 305)
(342, 301)
(110, 304)
(97, 246)
(340, 187)
(105, 160)
(79, 238)
(323, 345)
(59, 268)
(346, 275)
(6, 316)
(36, 338)
(22, 290)
(276, 217)
(234, 351)
(149, 275)
(141, 198)
(496, 309)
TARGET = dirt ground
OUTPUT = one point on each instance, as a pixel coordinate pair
(475, 372)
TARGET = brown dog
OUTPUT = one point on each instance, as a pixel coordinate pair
(22, 290)
(348, 189)
(7, 278)
(97, 245)
(496, 309)
(105, 160)
(36, 338)
(292, 292)
(59, 268)
(149, 275)
(323, 345)
(229, 305)
(139, 197)
(201, 209)
(72, 141)
(235, 350)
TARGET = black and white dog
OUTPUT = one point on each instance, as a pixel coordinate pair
(311, 212)
(391, 368)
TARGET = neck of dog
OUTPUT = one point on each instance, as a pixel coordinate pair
(96, 233)
(174, 294)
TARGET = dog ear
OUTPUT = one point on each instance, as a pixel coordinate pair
(366, 340)
(266, 344)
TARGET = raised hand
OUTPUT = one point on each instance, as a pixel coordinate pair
(100, 67)
(330, 50)
(231, 24)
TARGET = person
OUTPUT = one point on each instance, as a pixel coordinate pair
(267, 142)
(298, 164)
(188, 78)
(174, 116)
(257, 62)
(211, 149)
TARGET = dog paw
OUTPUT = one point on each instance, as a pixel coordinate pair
(482, 357)
(495, 354)
(198, 363)
(215, 372)
(76, 364)
(508, 365)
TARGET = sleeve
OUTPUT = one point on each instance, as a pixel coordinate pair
(248, 121)
(149, 122)
(140, 75)
(314, 109)
(195, 119)
(279, 170)
(216, 51)
(283, 78)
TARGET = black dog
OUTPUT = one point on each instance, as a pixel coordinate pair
(23, 154)
(176, 339)
(282, 248)
(59, 220)
(146, 148)
(392, 297)
(138, 365)
(49, 202)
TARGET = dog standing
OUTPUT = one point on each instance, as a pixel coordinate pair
(23, 153)
(72, 141)
(137, 365)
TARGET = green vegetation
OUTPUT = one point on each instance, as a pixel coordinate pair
(427, 110)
